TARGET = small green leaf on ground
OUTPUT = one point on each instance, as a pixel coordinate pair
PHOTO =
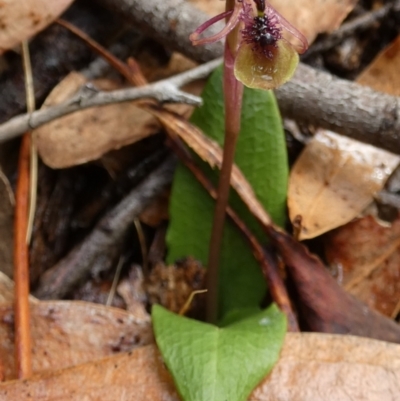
(219, 364)
(261, 155)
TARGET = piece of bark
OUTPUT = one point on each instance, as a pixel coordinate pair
(110, 230)
(312, 96)
(54, 53)
(327, 308)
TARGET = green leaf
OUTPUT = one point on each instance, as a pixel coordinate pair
(219, 364)
(261, 155)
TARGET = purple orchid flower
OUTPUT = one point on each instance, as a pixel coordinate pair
(267, 47)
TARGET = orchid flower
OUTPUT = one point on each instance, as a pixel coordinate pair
(266, 53)
(259, 54)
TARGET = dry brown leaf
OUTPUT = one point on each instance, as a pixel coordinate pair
(311, 367)
(366, 257)
(67, 333)
(20, 20)
(86, 135)
(329, 185)
(6, 225)
(333, 180)
(312, 17)
(383, 73)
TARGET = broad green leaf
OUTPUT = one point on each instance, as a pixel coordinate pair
(261, 155)
(219, 364)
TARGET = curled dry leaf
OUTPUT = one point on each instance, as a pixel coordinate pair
(339, 367)
(366, 257)
(88, 134)
(326, 307)
(333, 180)
(209, 151)
(20, 20)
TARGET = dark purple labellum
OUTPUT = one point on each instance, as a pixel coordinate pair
(263, 32)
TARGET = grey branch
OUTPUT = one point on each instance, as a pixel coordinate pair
(166, 90)
(110, 230)
(311, 96)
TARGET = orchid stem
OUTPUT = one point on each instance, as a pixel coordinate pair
(233, 91)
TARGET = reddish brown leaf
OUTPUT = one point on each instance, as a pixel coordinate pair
(326, 306)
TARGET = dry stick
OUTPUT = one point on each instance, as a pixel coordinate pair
(110, 230)
(269, 269)
(33, 176)
(165, 90)
(21, 264)
(102, 51)
(23, 347)
(312, 97)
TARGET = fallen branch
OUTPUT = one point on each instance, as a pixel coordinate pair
(166, 90)
(312, 96)
(110, 230)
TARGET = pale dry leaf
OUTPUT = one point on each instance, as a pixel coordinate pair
(383, 73)
(6, 225)
(67, 333)
(6, 289)
(20, 20)
(365, 254)
(88, 134)
(312, 366)
(312, 17)
(333, 180)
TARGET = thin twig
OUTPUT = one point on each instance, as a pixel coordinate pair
(33, 175)
(166, 90)
(24, 213)
(114, 284)
(21, 264)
